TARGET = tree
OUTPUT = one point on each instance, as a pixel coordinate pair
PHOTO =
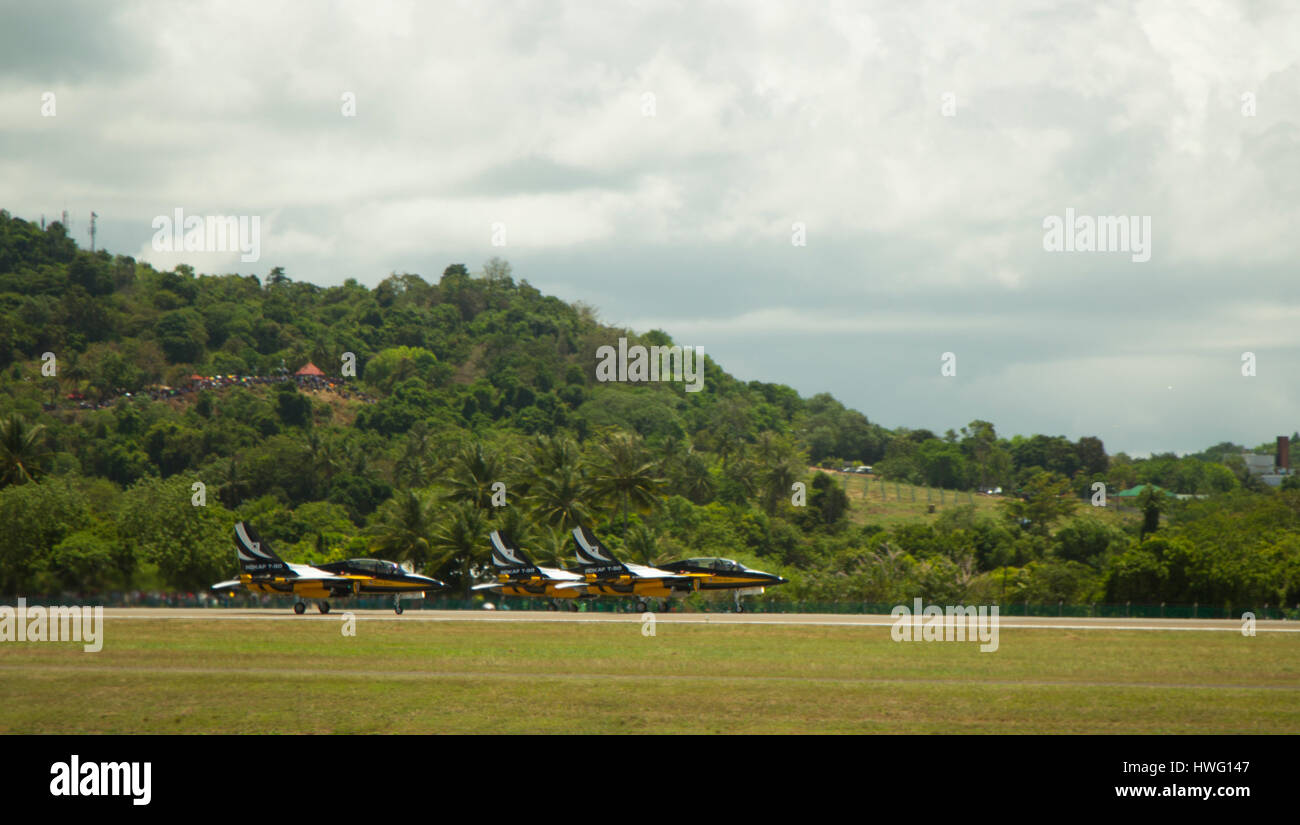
(472, 473)
(1087, 540)
(1152, 501)
(36, 518)
(1045, 498)
(24, 455)
(182, 336)
(394, 365)
(189, 545)
(780, 464)
(942, 464)
(404, 528)
(460, 545)
(624, 475)
(557, 498)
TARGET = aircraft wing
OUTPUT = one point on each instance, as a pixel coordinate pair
(643, 572)
(488, 586)
(229, 586)
(567, 585)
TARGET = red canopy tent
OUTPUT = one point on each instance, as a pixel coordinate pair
(310, 369)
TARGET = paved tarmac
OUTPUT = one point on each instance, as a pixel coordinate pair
(848, 620)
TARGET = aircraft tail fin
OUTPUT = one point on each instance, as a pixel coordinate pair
(509, 558)
(594, 557)
(255, 555)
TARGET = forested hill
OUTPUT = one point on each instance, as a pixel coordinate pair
(436, 391)
(471, 351)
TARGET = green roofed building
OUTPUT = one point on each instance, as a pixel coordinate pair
(1134, 492)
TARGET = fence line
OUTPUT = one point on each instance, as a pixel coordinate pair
(722, 603)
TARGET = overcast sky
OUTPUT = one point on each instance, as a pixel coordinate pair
(652, 159)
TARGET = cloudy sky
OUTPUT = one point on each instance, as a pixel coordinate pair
(655, 159)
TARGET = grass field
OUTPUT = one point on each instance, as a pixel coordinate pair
(909, 504)
(260, 676)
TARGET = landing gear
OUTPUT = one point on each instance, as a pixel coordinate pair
(300, 608)
(397, 605)
(642, 606)
(740, 606)
(552, 606)
(574, 607)
(323, 607)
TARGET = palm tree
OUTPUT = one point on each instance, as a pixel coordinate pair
(557, 498)
(24, 455)
(547, 455)
(460, 542)
(781, 466)
(551, 546)
(694, 481)
(325, 458)
(673, 451)
(417, 465)
(471, 476)
(641, 543)
(729, 428)
(404, 528)
(623, 474)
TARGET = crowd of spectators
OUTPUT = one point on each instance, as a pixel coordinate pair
(198, 383)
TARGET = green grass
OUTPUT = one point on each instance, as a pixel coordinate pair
(898, 507)
(177, 676)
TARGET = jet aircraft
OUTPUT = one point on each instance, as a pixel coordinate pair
(262, 571)
(517, 575)
(607, 576)
(725, 574)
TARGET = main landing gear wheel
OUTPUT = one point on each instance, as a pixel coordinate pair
(300, 608)
(642, 606)
(323, 607)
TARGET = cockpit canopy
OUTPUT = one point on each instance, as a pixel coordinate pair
(376, 567)
(721, 565)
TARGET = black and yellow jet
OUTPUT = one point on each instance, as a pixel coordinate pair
(725, 574)
(518, 575)
(262, 571)
(607, 576)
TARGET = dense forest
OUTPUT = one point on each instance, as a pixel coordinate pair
(121, 469)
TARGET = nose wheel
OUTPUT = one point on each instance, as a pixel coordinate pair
(397, 605)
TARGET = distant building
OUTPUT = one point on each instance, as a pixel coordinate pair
(1271, 469)
(1134, 492)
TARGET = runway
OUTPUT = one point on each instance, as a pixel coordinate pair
(844, 620)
